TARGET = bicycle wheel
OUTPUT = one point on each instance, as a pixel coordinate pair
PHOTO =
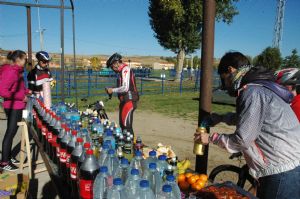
(231, 173)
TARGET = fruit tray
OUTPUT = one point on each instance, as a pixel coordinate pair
(244, 194)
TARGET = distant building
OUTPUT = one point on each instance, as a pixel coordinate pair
(162, 65)
(132, 64)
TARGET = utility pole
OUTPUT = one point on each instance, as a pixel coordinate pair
(29, 43)
(207, 56)
(62, 61)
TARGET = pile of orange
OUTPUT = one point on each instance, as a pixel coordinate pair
(194, 181)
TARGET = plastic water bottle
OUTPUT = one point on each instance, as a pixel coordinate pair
(154, 178)
(162, 165)
(103, 154)
(102, 184)
(175, 189)
(137, 161)
(145, 192)
(109, 136)
(117, 191)
(151, 159)
(111, 162)
(166, 193)
(123, 170)
(132, 184)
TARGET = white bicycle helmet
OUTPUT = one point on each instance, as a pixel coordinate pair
(288, 76)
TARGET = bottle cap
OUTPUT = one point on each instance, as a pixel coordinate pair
(111, 151)
(74, 132)
(152, 165)
(105, 146)
(170, 178)
(162, 157)
(89, 152)
(135, 172)
(167, 188)
(103, 169)
(144, 183)
(79, 140)
(87, 145)
(118, 181)
(152, 153)
(138, 153)
(124, 161)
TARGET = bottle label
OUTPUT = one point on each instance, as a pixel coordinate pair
(44, 130)
(54, 137)
(68, 160)
(63, 155)
(58, 151)
(49, 136)
(73, 171)
(86, 189)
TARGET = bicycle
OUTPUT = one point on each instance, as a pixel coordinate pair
(97, 106)
(242, 173)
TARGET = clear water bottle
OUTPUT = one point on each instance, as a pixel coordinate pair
(170, 180)
(117, 191)
(145, 191)
(151, 159)
(162, 165)
(132, 184)
(102, 184)
(109, 136)
(123, 170)
(166, 193)
(103, 154)
(111, 162)
(137, 162)
(154, 178)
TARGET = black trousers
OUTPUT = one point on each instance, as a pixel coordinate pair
(126, 110)
(13, 117)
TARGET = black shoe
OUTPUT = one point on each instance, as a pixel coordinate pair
(14, 161)
(9, 167)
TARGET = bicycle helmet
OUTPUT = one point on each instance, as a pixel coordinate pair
(112, 59)
(288, 76)
(42, 56)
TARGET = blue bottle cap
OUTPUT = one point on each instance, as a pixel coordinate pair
(135, 172)
(103, 169)
(118, 181)
(111, 151)
(109, 133)
(167, 188)
(152, 153)
(170, 178)
(138, 153)
(124, 161)
(152, 165)
(144, 183)
(162, 157)
(105, 146)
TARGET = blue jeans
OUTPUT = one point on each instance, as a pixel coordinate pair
(284, 185)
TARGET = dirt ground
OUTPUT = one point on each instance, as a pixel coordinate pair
(157, 128)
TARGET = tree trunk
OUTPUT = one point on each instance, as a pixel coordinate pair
(180, 60)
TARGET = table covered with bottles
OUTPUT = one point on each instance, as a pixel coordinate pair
(94, 158)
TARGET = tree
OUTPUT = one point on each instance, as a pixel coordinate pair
(269, 58)
(292, 61)
(95, 63)
(177, 24)
(196, 62)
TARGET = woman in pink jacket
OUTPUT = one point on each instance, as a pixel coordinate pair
(12, 89)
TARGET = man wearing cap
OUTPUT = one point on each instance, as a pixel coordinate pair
(126, 90)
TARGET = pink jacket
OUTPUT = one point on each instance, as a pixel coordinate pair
(12, 86)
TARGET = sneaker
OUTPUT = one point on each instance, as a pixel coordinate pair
(9, 167)
(14, 161)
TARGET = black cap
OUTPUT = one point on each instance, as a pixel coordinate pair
(113, 58)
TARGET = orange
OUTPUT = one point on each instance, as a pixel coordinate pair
(196, 177)
(187, 175)
(196, 187)
(201, 183)
(181, 178)
(184, 186)
(203, 177)
(192, 179)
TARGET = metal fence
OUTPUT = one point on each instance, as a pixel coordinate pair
(93, 83)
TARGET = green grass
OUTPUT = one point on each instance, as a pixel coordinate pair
(173, 105)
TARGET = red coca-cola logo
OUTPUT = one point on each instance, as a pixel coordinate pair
(63, 155)
(86, 189)
(49, 136)
(73, 171)
(68, 160)
(53, 143)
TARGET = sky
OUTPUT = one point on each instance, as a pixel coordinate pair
(108, 26)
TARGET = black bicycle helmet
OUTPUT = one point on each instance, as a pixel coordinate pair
(112, 59)
(42, 56)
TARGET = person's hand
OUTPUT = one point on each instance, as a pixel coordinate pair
(109, 91)
(202, 138)
(25, 99)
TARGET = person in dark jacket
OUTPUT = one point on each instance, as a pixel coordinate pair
(267, 130)
(13, 91)
(126, 90)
